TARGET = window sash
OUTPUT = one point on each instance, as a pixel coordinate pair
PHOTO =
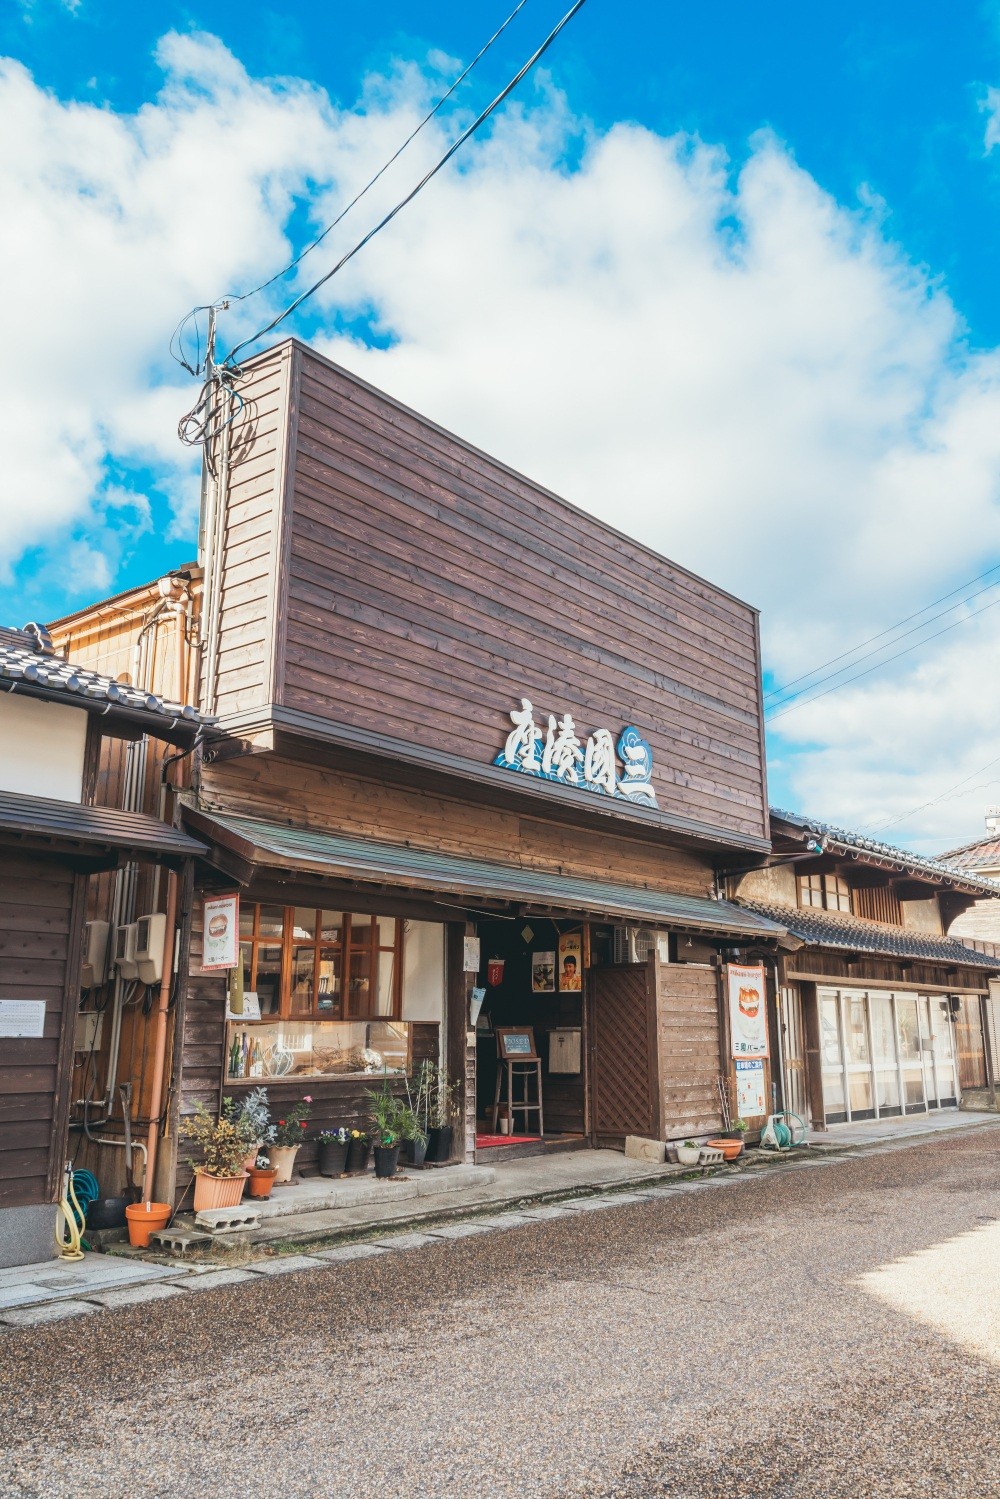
(357, 962)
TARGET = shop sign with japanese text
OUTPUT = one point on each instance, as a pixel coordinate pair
(222, 932)
(557, 753)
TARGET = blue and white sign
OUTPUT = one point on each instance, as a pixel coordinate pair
(558, 754)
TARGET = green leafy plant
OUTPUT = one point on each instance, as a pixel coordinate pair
(384, 1113)
(223, 1144)
(292, 1129)
(741, 1125)
(252, 1116)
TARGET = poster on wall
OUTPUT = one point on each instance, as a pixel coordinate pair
(747, 1011)
(222, 932)
(543, 973)
(751, 1099)
(570, 962)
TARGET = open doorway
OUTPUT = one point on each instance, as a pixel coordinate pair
(533, 974)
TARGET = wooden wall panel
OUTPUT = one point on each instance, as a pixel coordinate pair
(279, 790)
(39, 959)
(688, 1049)
(422, 588)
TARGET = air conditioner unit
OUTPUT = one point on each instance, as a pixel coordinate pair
(150, 936)
(95, 954)
(125, 961)
(633, 944)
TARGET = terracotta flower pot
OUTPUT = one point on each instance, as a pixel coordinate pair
(261, 1181)
(250, 1159)
(145, 1218)
(283, 1158)
(218, 1191)
(730, 1148)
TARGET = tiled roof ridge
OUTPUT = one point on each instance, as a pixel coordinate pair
(28, 656)
(889, 851)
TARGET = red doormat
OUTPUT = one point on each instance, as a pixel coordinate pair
(487, 1142)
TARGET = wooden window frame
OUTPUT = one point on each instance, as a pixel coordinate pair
(826, 902)
(347, 950)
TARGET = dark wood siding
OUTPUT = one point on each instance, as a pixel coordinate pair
(689, 1049)
(422, 588)
(40, 930)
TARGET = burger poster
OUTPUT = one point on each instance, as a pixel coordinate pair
(222, 932)
(747, 1012)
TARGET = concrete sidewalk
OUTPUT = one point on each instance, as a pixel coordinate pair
(530, 1189)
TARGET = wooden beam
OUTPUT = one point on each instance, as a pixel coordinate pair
(844, 981)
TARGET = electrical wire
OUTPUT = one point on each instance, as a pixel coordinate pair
(795, 707)
(912, 811)
(387, 219)
(176, 345)
(890, 629)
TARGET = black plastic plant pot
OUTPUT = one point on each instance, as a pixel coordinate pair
(107, 1212)
(358, 1153)
(416, 1152)
(386, 1160)
(333, 1157)
(439, 1143)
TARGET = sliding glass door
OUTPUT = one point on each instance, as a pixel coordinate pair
(885, 1053)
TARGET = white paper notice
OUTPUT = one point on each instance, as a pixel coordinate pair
(23, 1018)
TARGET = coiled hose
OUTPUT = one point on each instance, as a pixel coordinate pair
(80, 1189)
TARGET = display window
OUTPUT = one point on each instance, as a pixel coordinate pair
(309, 962)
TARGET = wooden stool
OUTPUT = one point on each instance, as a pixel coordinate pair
(518, 1062)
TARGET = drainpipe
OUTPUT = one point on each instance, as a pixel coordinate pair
(160, 1045)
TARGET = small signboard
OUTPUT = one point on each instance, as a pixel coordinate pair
(222, 932)
(747, 1011)
(751, 1096)
(516, 1045)
(471, 955)
(22, 1019)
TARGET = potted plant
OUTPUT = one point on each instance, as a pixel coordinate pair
(384, 1112)
(736, 1130)
(289, 1134)
(253, 1118)
(220, 1175)
(333, 1148)
(262, 1175)
(413, 1119)
(359, 1149)
(689, 1153)
(440, 1095)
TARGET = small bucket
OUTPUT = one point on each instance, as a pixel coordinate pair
(145, 1218)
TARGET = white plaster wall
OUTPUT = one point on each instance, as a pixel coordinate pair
(423, 971)
(41, 748)
(775, 884)
(922, 915)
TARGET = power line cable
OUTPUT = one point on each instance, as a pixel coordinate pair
(456, 145)
(912, 812)
(889, 630)
(177, 337)
(795, 707)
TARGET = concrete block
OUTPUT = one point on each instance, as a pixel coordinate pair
(589, 1204)
(458, 1230)
(212, 1280)
(134, 1295)
(284, 1264)
(637, 1148)
(51, 1311)
(180, 1240)
(27, 1235)
(350, 1252)
(228, 1220)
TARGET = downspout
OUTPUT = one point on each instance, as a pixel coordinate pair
(160, 1044)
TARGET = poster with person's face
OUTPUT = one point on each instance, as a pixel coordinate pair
(543, 972)
(570, 962)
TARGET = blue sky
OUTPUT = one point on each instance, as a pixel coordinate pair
(833, 168)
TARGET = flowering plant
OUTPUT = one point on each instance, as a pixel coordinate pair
(291, 1129)
(262, 1163)
(223, 1144)
(359, 1134)
(334, 1136)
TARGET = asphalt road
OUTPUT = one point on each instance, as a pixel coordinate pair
(826, 1332)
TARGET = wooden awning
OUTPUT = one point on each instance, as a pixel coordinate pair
(93, 836)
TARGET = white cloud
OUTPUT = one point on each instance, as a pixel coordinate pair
(734, 367)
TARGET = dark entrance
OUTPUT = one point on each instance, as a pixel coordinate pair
(623, 1025)
(556, 1018)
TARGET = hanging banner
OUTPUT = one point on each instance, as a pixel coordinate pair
(747, 1011)
(221, 932)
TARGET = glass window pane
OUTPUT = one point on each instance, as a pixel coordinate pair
(861, 1092)
(386, 928)
(942, 1030)
(883, 1034)
(913, 1086)
(385, 972)
(361, 931)
(856, 1030)
(328, 999)
(304, 928)
(272, 921)
(331, 926)
(246, 920)
(303, 963)
(887, 1087)
(830, 1039)
(359, 985)
(269, 979)
(246, 948)
(909, 1036)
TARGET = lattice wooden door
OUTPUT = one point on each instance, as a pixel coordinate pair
(625, 1098)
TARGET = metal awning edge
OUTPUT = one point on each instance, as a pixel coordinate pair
(368, 860)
